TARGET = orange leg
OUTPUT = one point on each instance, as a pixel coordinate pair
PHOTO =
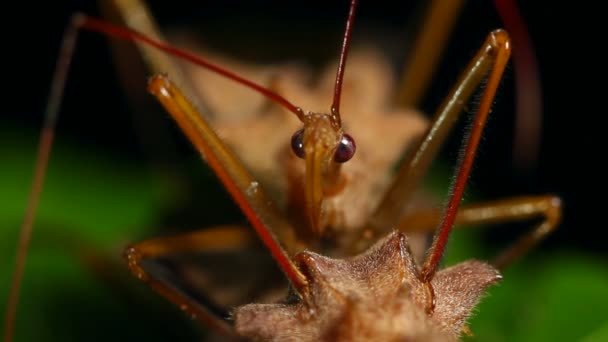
(224, 238)
(500, 211)
(136, 15)
(435, 30)
(417, 163)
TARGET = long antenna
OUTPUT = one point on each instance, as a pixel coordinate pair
(335, 107)
(100, 26)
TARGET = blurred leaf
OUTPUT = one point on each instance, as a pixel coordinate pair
(600, 334)
(91, 205)
(563, 298)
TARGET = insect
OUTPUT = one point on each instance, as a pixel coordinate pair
(316, 219)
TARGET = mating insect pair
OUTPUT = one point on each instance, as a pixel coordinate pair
(338, 200)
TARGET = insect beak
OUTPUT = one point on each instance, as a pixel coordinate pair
(319, 153)
(315, 161)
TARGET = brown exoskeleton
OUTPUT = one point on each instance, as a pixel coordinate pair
(340, 236)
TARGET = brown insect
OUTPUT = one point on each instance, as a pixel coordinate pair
(338, 235)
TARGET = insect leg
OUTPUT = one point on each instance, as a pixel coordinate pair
(217, 238)
(433, 34)
(136, 15)
(244, 189)
(498, 45)
(417, 163)
(44, 151)
(506, 210)
(529, 110)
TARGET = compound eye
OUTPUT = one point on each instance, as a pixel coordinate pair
(346, 149)
(297, 143)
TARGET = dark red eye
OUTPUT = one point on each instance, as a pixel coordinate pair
(297, 143)
(346, 149)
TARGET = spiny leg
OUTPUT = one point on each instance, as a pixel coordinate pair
(216, 238)
(499, 45)
(439, 20)
(245, 190)
(417, 163)
(433, 34)
(499, 211)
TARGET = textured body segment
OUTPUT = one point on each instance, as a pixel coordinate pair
(375, 296)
